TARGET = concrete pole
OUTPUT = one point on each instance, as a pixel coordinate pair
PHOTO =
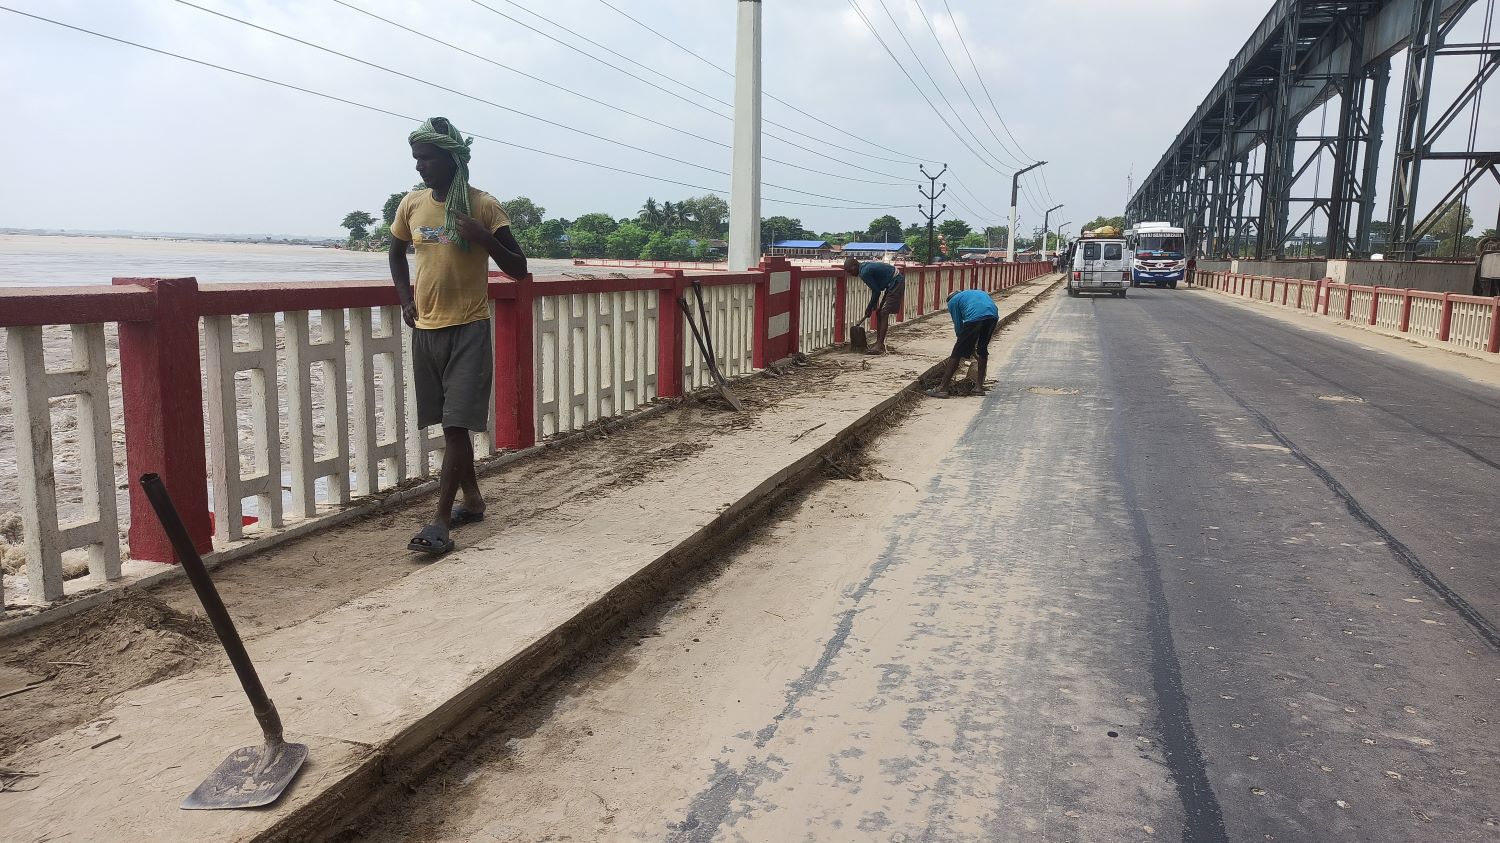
(1046, 230)
(1015, 187)
(744, 185)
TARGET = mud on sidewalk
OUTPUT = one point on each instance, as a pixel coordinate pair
(360, 641)
(77, 667)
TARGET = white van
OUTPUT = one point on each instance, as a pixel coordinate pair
(1100, 265)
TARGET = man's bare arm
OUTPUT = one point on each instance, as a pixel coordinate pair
(500, 244)
(401, 277)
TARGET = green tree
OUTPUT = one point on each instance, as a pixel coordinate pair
(626, 241)
(1098, 222)
(358, 223)
(1452, 229)
(588, 234)
(973, 240)
(955, 229)
(706, 216)
(773, 229)
(996, 234)
(524, 214)
(884, 229)
(649, 215)
(388, 212)
(918, 245)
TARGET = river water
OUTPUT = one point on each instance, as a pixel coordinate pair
(34, 260)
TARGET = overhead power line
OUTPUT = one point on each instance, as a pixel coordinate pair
(411, 119)
(491, 103)
(868, 25)
(661, 123)
(985, 86)
(1015, 159)
(906, 158)
(944, 97)
(692, 102)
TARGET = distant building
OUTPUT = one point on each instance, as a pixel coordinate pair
(876, 251)
(817, 249)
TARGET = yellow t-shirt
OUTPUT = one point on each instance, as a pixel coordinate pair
(450, 282)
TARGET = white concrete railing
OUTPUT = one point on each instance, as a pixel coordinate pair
(1388, 312)
(817, 318)
(1470, 327)
(596, 356)
(1426, 317)
(349, 423)
(1337, 298)
(1359, 303)
(33, 387)
(731, 318)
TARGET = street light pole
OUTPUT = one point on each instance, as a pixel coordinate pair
(1047, 218)
(1015, 187)
(744, 183)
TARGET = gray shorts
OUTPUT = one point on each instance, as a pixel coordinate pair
(453, 372)
(890, 302)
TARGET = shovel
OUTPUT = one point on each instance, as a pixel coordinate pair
(857, 339)
(251, 776)
(705, 342)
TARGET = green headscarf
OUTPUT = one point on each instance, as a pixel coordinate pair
(456, 145)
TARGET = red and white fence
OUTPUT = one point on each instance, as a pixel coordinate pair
(1467, 322)
(298, 397)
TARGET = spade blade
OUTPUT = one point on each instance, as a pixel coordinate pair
(250, 777)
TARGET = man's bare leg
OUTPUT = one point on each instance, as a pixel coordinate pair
(983, 364)
(882, 326)
(457, 475)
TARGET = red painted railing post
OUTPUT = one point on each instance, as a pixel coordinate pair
(163, 402)
(1374, 305)
(1494, 344)
(1445, 322)
(669, 337)
(840, 307)
(1324, 294)
(1405, 310)
(794, 321)
(1349, 301)
(515, 367)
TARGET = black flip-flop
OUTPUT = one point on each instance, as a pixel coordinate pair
(463, 515)
(431, 541)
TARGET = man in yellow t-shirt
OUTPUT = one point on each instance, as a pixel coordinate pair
(457, 229)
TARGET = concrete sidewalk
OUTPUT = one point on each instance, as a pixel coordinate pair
(371, 685)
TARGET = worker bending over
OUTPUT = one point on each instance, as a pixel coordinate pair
(887, 291)
(974, 319)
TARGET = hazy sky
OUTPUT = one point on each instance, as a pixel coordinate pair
(111, 136)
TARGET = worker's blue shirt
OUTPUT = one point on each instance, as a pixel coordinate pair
(877, 276)
(971, 306)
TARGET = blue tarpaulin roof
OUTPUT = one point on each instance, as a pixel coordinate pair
(874, 247)
(800, 244)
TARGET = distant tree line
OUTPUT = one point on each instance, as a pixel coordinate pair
(689, 229)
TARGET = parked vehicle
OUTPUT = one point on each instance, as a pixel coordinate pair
(1158, 255)
(1100, 265)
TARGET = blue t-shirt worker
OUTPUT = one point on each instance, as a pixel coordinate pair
(974, 319)
(887, 292)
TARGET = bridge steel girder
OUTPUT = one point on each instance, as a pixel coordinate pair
(1303, 53)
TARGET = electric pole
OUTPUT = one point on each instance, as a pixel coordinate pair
(1015, 187)
(931, 194)
(1047, 218)
(744, 184)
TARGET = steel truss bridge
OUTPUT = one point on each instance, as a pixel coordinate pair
(1236, 171)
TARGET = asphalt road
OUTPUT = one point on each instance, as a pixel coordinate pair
(1190, 573)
